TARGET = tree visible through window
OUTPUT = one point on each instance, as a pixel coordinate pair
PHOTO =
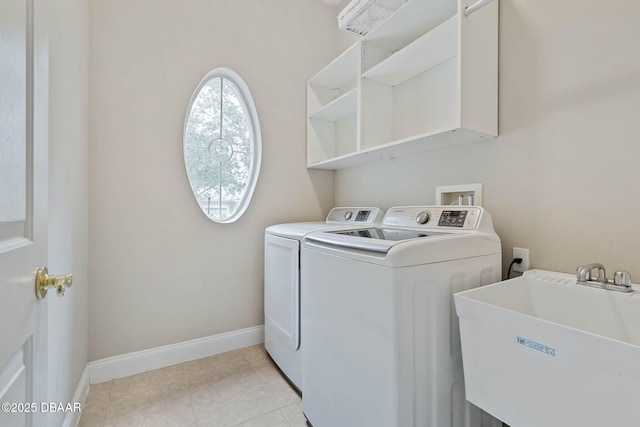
(222, 145)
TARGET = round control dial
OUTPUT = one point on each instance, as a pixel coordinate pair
(348, 215)
(423, 217)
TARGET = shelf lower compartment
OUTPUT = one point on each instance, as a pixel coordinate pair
(331, 139)
(417, 144)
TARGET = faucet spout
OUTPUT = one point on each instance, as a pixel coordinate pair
(621, 281)
(584, 273)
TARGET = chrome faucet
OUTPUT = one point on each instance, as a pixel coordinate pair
(584, 273)
(621, 279)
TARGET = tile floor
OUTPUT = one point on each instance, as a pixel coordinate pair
(238, 388)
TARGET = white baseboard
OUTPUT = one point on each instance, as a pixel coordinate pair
(160, 357)
(80, 395)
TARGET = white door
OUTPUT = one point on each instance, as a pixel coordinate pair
(23, 209)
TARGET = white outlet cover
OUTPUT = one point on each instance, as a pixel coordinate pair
(524, 254)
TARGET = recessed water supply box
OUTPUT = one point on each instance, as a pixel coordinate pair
(461, 195)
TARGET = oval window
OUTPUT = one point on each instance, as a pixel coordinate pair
(222, 145)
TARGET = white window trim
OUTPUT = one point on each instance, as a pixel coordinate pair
(257, 135)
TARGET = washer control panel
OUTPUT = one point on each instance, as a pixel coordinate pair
(434, 217)
(452, 218)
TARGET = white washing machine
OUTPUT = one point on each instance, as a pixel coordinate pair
(382, 344)
(282, 282)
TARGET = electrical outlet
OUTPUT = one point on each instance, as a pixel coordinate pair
(524, 254)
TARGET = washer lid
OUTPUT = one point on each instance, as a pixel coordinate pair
(370, 239)
(387, 233)
(403, 253)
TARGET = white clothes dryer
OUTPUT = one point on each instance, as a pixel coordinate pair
(382, 344)
(282, 282)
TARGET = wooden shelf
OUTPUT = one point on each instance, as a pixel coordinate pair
(340, 108)
(432, 49)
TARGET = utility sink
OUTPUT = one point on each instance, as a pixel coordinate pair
(543, 351)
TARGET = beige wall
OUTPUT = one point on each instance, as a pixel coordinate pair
(161, 272)
(565, 160)
(562, 178)
(68, 187)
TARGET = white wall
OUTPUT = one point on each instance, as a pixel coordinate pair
(161, 271)
(68, 198)
(562, 177)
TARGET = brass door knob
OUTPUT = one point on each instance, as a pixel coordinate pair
(44, 282)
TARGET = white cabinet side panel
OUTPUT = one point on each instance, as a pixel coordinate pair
(478, 65)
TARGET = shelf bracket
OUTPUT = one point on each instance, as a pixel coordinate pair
(477, 5)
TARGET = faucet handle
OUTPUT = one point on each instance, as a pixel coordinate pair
(622, 278)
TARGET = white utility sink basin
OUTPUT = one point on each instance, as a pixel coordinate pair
(542, 351)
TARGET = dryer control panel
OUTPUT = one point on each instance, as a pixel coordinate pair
(356, 216)
(434, 217)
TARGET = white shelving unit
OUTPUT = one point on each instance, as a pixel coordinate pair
(425, 78)
(332, 108)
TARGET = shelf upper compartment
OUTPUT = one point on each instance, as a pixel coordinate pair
(340, 108)
(341, 71)
(433, 48)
